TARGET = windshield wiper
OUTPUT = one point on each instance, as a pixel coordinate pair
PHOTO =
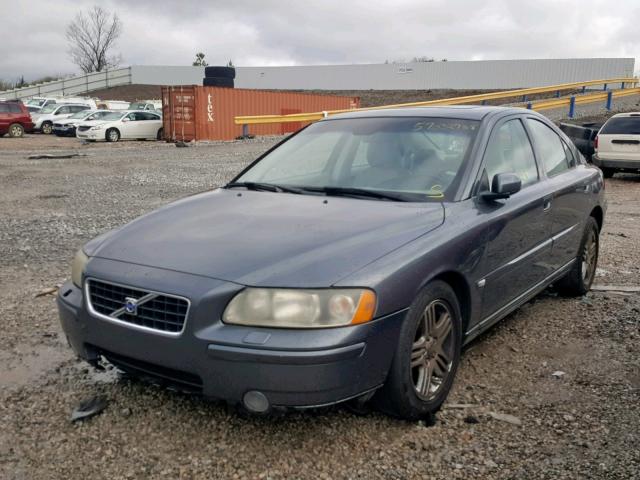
(266, 187)
(356, 192)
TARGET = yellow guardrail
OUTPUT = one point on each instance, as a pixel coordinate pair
(583, 99)
(469, 99)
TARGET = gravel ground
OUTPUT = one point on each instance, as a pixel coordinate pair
(584, 424)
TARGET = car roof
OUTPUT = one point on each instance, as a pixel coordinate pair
(626, 114)
(469, 112)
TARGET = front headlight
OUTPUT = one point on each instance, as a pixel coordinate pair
(97, 127)
(298, 308)
(77, 267)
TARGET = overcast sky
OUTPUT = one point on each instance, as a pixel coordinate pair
(284, 32)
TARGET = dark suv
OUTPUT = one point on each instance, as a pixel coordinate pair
(14, 119)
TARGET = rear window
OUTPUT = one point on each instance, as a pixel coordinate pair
(622, 126)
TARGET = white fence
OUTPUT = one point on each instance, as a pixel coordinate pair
(79, 85)
(481, 75)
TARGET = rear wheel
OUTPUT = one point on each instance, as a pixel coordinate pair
(47, 128)
(607, 172)
(427, 356)
(160, 134)
(579, 279)
(16, 130)
(112, 135)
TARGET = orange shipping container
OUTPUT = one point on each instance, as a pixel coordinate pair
(192, 112)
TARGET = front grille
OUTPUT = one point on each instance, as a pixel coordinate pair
(156, 311)
(83, 128)
(57, 125)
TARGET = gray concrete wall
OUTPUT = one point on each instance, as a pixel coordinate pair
(491, 74)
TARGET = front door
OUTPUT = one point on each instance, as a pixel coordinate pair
(517, 236)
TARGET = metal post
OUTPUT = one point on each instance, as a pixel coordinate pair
(622, 86)
(557, 93)
(529, 106)
(605, 87)
(524, 98)
(106, 77)
(584, 89)
(572, 106)
(484, 102)
(63, 87)
(609, 99)
(245, 130)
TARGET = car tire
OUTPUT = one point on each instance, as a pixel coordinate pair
(112, 135)
(220, 72)
(426, 357)
(47, 128)
(160, 134)
(16, 130)
(607, 172)
(218, 82)
(579, 279)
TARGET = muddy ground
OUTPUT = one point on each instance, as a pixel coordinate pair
(583, 424)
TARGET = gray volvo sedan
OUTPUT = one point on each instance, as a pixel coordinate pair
(352, 261)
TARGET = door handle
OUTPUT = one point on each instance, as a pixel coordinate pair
(546, 205)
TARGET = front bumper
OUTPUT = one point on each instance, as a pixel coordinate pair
(64, 130)
(91, 135)
(615, 163)
(292, 368)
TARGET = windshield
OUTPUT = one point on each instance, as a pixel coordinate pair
(49, 108)
(81, 114)
(419, 158)
(137, 106)
(111, 116)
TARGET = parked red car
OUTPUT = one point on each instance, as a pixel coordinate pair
(14, 119)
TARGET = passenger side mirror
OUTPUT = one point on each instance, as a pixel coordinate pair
(126, 119)
(503, 186)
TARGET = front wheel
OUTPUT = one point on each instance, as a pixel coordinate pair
(427, 355)
(579, 279)
(112, 135)
(47, 128)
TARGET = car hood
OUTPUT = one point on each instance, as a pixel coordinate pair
(268, 239)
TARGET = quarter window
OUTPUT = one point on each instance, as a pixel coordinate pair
(14, 108)
(551, 149)
(509, 151)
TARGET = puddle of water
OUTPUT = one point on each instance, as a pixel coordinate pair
(20, 370)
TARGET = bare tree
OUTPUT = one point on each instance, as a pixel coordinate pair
(91, 37)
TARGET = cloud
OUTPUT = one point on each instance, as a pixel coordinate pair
(284, 32)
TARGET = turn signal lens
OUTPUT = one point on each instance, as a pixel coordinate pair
(77, 267)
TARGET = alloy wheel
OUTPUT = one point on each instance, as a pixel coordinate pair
(16, 131)
(433, 350)
(589, 257)
(47, 128)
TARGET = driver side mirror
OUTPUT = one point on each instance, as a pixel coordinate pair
(126, 119)
(503, 186)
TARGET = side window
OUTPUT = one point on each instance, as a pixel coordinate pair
(132, 117)
(4, 108)
(571, 159)
(63, 110)
(14, 108)
(509, 151)
(550, 146)
(80, 108)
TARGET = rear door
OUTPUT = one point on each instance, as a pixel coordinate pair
(151, 124)
(619, 139)
(570, 182)
(518, 228)
(5, 117)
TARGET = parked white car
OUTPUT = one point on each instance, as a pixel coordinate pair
(51, 113)
(114, 105)
(122, 126)
(67, 126)
(617, 146)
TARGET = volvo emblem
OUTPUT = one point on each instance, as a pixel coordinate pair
(131, 305)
